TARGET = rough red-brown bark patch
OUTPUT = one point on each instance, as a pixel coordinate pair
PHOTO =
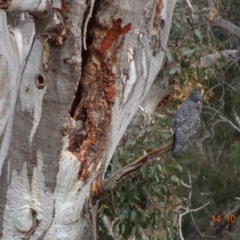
(97, 96)
(96, 187)
(4, 4)
(158, 12)
(63, 6)
(158, 24)
(113, 34)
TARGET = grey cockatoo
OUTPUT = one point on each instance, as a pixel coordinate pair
(186, 121)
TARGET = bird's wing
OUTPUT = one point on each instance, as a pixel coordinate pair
(186, 122)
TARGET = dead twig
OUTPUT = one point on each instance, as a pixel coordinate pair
(132, 167)
(187, 209)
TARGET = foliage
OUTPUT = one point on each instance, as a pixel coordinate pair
(142, 205)
(145, 205)
(215, 164)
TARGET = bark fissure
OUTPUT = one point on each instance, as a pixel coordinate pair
(97, 96)
(85, 53)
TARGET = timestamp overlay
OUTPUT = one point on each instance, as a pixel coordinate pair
(228, 218)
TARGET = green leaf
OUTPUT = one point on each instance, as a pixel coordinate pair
(121, 218)
(178, 167)
(186, 51)
(169, 56)
(223, 60)
(122, 197)
(202, 74)
(159, 167)
(198, 34)
(128, 143)
(208, 61)
(156, 177)
(149, 129)
(173, 70)
(184, 184)
(134, 230)
(133, 215)
(125, 155)
(123, 228)
(195, 7)
(118, 194)
(175, 178)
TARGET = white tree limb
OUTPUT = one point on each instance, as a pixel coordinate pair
(25, 5)
(191, 8)
(14, 49)
(236, 118)
(230, 122)
(207, 61)
(187, 210)
(217, 20)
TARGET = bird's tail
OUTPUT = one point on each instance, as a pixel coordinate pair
(176, 149)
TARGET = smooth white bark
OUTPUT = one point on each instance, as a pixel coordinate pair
(27, 5)
(14, 48)
(44, 193)
(150, 67)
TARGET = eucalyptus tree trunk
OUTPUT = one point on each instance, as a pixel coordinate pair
(72, 75)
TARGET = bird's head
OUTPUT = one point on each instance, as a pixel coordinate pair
(195, 96)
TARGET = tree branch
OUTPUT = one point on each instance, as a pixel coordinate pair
(90, 216)
(134, 166)
(23, 6)
(217, 20)
(190, 8)
(188, 210)
(195, 224)
(207, 61)
(236, 118)
(230, 122)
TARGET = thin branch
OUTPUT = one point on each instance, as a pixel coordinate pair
(90, 216)
(230, 122)
(230, 55)
(188, 210)
(191, 8)
(235, 61)
(190, 191)
(204, 10)
(230, 86)
(202, 235)
(134, 166)
(185, 213)
(173, 194)
(236, 118)
(108, 226)
(224, 24)
(167, 206)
